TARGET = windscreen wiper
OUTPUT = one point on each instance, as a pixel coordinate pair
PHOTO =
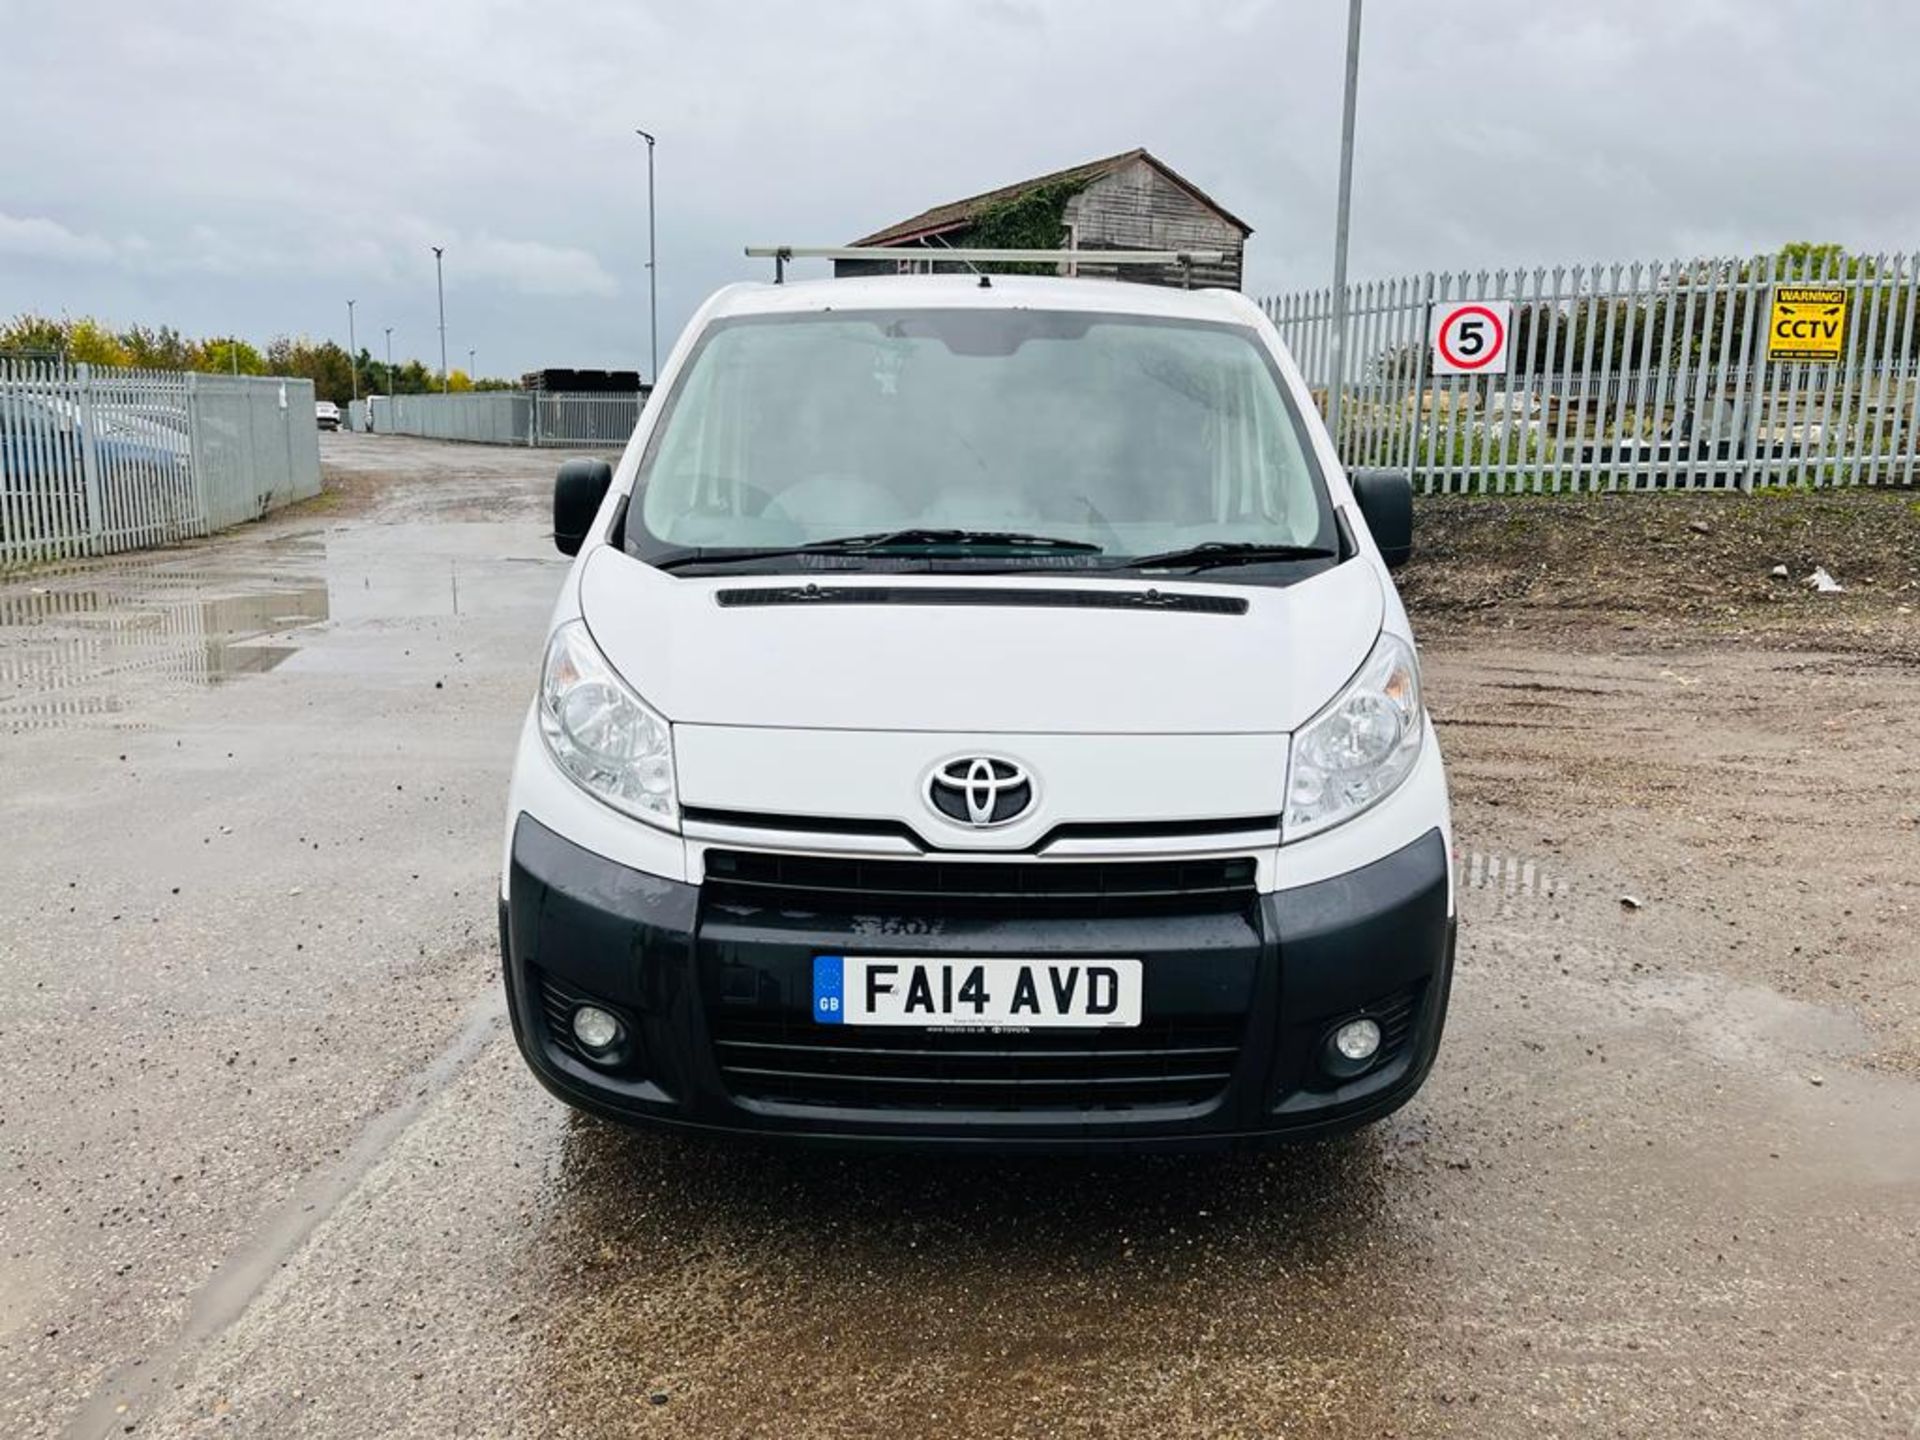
(1209, 554)
(889, 539)
(881, 541)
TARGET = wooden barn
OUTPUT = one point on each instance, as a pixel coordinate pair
(1130, 201)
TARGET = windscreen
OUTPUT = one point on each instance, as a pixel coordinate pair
(1129, 435)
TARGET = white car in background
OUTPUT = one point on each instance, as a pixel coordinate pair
(326, 414)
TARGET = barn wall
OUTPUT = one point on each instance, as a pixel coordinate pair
(1138, 208)
(1133, 208)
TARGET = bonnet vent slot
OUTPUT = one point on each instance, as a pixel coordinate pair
(1029, 598)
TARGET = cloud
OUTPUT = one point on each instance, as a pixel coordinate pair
(324, 169)
(34, 237)
(534, 268)
(480, 257)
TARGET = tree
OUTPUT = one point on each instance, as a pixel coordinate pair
(162, 349)
(34, 336)
(1816, 260)
(91, 343)
(229, 356)
(326, 364)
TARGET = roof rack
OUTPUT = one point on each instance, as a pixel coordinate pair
(781, 254)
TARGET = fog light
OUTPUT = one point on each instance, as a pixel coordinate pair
(596, 1029)
(1357, 1040)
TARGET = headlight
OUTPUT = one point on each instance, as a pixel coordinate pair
(1358, 750)
(603, 735)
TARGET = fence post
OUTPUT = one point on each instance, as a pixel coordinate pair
(1742, 366)
(286, 435)
(1762, 365)
(90, 460)
(196, 468)
(1422, 344)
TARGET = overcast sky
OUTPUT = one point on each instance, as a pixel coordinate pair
(248, 165)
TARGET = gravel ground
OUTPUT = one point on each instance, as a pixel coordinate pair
(271, 1166)
(1685, 568)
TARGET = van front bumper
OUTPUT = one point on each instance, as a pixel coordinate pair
(713, 988)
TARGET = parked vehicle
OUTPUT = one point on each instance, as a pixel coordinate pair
(979, 713)
(326, 414)
(43, 437)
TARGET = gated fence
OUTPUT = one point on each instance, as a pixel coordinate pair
(94, 459)
(1626, 376)
(506, 417)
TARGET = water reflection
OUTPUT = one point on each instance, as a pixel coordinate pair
(424, 571)
(67, 655)
(80, 642)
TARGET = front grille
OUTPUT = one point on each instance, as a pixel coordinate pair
(771, 1057)
(1019, 887)
(557, 1003)
(1395, 1015)
(1229, 825)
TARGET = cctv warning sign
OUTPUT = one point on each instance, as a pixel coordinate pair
(1809, 322)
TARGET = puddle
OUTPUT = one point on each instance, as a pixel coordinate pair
(424, 571)
(81, 645)
(69, 655)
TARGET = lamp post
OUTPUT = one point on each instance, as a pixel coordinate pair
(440, 285)
(392, 389)
(1337, 382)
(353, 353)
(470, 354)
(653, 272)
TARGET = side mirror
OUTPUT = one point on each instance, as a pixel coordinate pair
(577, 493)
(1386, 504)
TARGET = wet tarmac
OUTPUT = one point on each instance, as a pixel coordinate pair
(270, 1165)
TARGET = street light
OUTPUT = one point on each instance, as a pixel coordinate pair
(392, 389)
(470, 354)
(653, 271)
(1337, 383)
(353, 354)
(440, 285)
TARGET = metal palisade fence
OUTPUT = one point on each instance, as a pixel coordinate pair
(1725, 374)
(507, 417)
(95, 460)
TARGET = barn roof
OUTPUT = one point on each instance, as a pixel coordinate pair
(956, 214)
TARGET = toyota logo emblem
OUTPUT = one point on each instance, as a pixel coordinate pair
(980, 790)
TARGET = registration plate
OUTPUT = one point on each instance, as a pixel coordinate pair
(997, 993)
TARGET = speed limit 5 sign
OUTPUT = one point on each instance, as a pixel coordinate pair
(1470, 336)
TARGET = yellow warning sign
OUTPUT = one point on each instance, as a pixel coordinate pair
(1809, 322)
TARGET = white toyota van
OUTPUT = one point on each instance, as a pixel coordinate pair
(979, 713)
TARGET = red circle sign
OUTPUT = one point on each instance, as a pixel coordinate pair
(1488, 353)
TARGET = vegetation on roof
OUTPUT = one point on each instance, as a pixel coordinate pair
(1032, 220)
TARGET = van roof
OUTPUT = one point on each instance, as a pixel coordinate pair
(1007, 292)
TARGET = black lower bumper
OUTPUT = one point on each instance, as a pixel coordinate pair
(713, 987)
